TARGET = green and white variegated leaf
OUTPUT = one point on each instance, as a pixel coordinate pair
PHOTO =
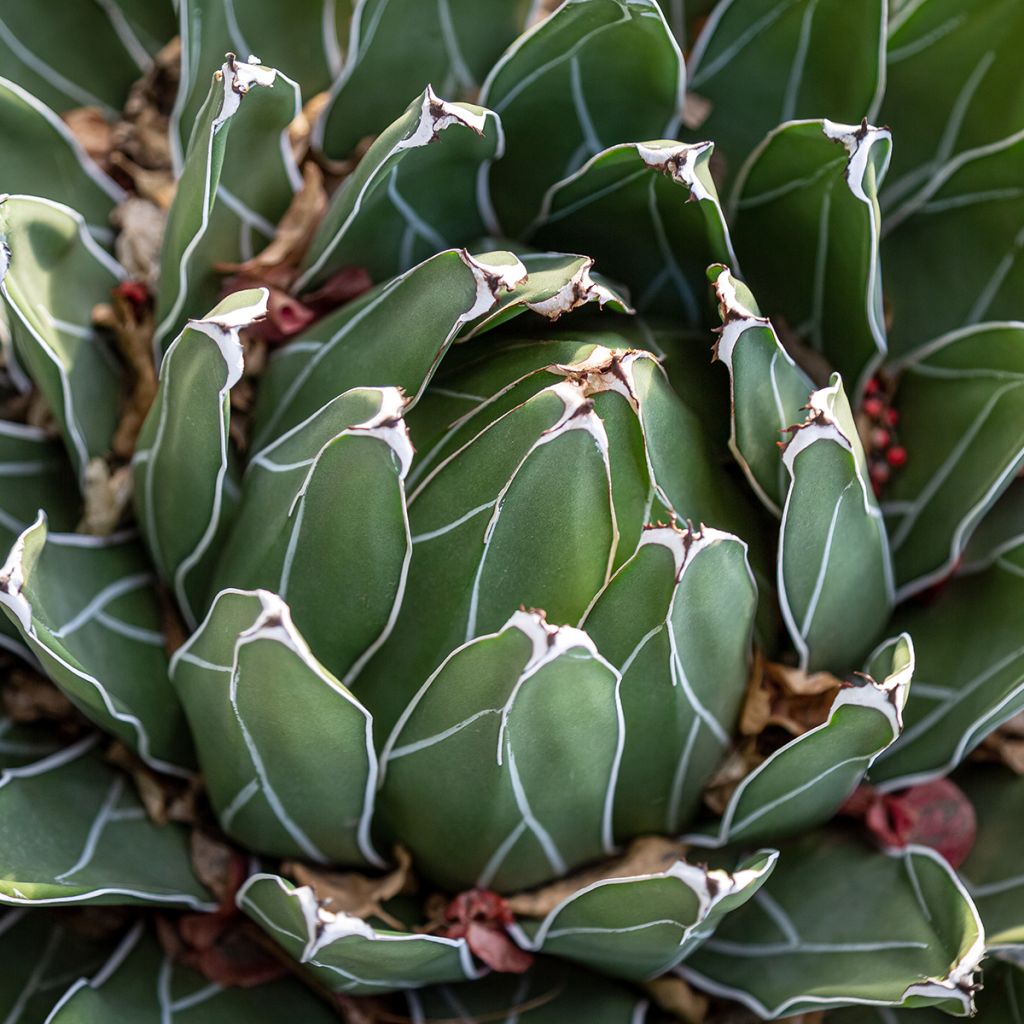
(502, 716)
(970, 671)
(141, 983)
(834, 569)
(763, 62)
(285, 750)
(456, 41)
(953, 84)
(49, 161)
(676, 621)
(229, 197)
(907, 935)
(992, 872)
(961, 405)
(323, 523)
(648, 212)
(86, 608)
(1000, 531)
(41, 954)
(550, 993)
(80, 54)
(72, 830)
(414, 193)
(345, 953)
(182, 490)
(969, 219)
(806, 781)
(807, 222)
(395, 334)
(592, 75)
(303, 37)
(761, 415)
(52, 273)
(641, 926)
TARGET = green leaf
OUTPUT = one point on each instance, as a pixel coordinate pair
(807, 226)
(395, 334)
(49, 161)
(413, 194)
(593, 74)
(806, 781)
(970, 671)
(961, 405)
(969, 220)
(1000, 531)
(72, 830)
(648, 212)
(676, 621)
(182, 456)
(456, 41)
(761, 416)
(908, 934)
(639, 927)
(502, 716)
(285, 750)
(834, 572)
(762, 62)
(228, 197)
(142, 984)
(86, 608)
(52, 273)
(24, 742)
(304, 37)
(345, 953)
(79, 55)
(952, 84)
(324, 507)
(992, 871)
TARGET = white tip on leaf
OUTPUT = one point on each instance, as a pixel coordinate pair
(436, 115)
(223, 329)
(679, 161)
(685, 543)
(858, 140)
(580, 289)
(388, 426)
(491, 280)
(549, 642)
(238, 77)
(819, 425)
(12, 575)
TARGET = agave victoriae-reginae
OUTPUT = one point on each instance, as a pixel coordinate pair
(513, 513)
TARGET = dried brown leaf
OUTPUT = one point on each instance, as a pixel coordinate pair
(140, 223)
(740, 762)
(164, 798)
(29, 697)
(779, 695)
(219, 866)
(92, 131)
(675, 996)
(106, 496)
(1005, 745)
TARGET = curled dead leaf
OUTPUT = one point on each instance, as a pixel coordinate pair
(1005, 745)
(106, 495)
(779, 695)
(739, 763)
(140, 223)
(673, 995)
(29, 697)
(92, 131)
(164, 798)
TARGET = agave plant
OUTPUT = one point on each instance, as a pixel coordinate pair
(508, 521)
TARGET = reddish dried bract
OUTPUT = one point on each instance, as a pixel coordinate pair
(480, 917)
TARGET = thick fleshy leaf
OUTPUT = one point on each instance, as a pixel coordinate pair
(1000, 531)
(761, 416)
(807, 226)
(970, 671)
(86, 608)
(806, 781)
(182, 456)
(952, 84)
(551, 993)
(413, 193)
(965, 227)
(762, 62)
(961, 406)
(230, 193)
(834, 572)
(648, 212)
(456, 41)
(304, 38)
(395, 334)
(642, 926)
(48, 161)
(992, 873)
(79, 55)
(478, 745)
(285, 750)
(676, 621)
(41, 953)
(592, 75)
(52, 273)
(72, 830)
(908, 934)
(142, 984)
(24, 742)
(323, 523)
(345, 953)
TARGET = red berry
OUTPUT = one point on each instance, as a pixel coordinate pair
(874, 407)
(879, 473)
(897, 456)
(892, 417)
(872, 386)
(880, 438)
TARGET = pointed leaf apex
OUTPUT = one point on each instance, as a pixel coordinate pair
(12, 575)
(549, 642)
(820, 423)
(436, 115)
(223, 324)
(685, 543)
(858, 140)
(239, 77)
(492, 278)
(679, 161)
(580, 289)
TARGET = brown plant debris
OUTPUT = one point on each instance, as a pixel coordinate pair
(779, 695)
(164, 798)
(29, 697)
(93, 133)
(140, 223)
(1005, 745)
(106, 496)
(675, 996)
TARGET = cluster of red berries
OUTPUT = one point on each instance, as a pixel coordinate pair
(884, 453)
